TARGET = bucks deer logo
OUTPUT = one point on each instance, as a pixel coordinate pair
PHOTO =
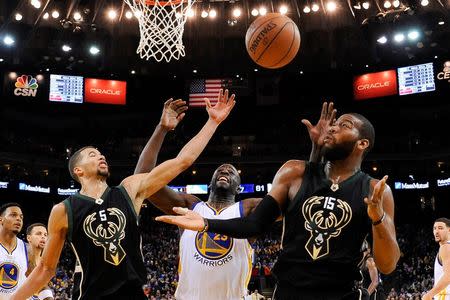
(324, 219)
(108, 237)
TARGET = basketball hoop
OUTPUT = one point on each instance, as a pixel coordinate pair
(161, 25)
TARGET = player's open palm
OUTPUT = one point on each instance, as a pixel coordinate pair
(317, 132)
(173, 113)
(222, 108)
(186, 219)
(375, 201)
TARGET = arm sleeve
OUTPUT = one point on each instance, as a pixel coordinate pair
(259, 221)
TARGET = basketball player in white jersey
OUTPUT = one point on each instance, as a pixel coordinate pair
(441, 288)
(37, 237)
(13, 251)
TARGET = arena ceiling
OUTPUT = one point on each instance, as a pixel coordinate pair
(344, 39)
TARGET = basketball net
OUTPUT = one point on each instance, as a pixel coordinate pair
(161, 25)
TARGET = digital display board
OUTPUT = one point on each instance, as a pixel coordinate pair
(66, 88)
(247, 188)
(197, 189)
(416, 79)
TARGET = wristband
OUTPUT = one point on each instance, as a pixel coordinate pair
(380, 220)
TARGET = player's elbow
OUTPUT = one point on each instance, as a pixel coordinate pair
(387, 268)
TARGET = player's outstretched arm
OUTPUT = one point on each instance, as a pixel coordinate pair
(45, 270)
(142, 186)
(380, 208)
(172, 114)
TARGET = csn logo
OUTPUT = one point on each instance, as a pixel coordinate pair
(26, 85)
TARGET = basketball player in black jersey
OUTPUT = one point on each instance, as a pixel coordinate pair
(369, 272)
(100, 222)
(329, 209)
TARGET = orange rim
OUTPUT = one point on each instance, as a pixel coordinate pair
(160, 3)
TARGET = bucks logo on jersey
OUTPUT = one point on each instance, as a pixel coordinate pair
(9, 275)
(324, 219)
(212, 245)
(109, 236)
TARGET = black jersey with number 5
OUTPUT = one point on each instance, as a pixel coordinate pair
(105, 239)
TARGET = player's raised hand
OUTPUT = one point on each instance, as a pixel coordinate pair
(318, 131)
(223, 107)
(173, 113)
(186, 219)
(375, 201)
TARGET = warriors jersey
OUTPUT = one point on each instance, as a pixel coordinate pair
(438, 273)
(213, 266)
(13, 266)
(323, 229)
(105, 238)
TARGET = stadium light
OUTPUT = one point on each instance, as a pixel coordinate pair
(55, 14)
(399, 37)
(76, 16)
(237, 12)
(262, 11)
(94, 50)
(382, 40)
(306, 9)
(283, 9)
(366, 5)
(331, 6)
(387, 4)
(212, 13)
(255, 12)
(413, 35)
(18, 17)
(8, 40)
(315, 7)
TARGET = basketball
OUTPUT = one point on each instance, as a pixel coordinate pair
(272, 41)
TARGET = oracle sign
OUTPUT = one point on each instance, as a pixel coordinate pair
(105, 91)
(373, 85)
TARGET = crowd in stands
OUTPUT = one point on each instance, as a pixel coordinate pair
(412, 278)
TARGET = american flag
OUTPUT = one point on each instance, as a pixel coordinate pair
(206, 88)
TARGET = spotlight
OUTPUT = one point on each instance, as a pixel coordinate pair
(366, 5)
(8, 40)
(255, 12)
(283, 9)
(441, 23)
(262, 11)
(178, 15)
(256, 70)
(399, 37)
(232, 22)
(413, 35)
(237, 12)
(133, 72)
(137, 14)
(55, 14)
(128, 15)
(357, 6)
(315, 7)
(424, 2)
(190, 13)
(387, 4)
(306, 9)
(94, 50)
(396, 3)
(1, 59)
(331, 6)
(66, 48)
(212, 13)
(382, 40)
(204, 14)
(112, 14)
(18, 17)
(36, 4)
(76, 16)
(45, 16)
(194, 71)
